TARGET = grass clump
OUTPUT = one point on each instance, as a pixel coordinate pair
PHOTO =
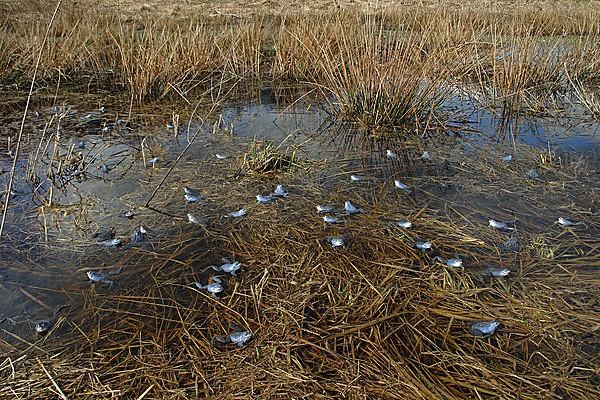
(266, 157)
(380, 79)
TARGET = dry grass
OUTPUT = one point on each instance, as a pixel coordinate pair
(519, 55)
(380, 79)
(266, 157)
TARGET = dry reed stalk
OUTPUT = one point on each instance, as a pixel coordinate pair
(380, 80)
(20, 135)
(155, 56)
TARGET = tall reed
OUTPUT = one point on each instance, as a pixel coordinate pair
(380, 78)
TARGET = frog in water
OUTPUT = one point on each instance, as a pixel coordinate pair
(191, 195)
(213, 288)
(279, 192)
(139, 234)
(351, 208)
(499, 225)
(423, 246)
(99, 277)
(228, 267)
(44, 325)
(455, 262)
(337, 241)
(496, 272)
(264, 199)
(325, 209)
(238, 337)
(484, 328)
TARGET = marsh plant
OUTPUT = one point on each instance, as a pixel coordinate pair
(380, 79)
(266, 157)
(381, 67)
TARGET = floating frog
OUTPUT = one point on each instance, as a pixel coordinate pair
(331, 219)
(264, 199)
(239, 213)
(337, 241)
(127, 214)
(484, 328)
(402, 224)
(401, 186)
(189, 190)
(229, 267)
(139, 234)
(423, 245)
(153, 161)
(237, 337)
(99, 277)
(450, 262)
(112, 243)
(568, 222)
(192, 198)
(191, 195)
(357, 178)
(390, 154)
(496, 272)
(507, 157)
(325, 209)
(279, 192)
(213, 288)
(221, 156)
(44, 325)
(425, 156)
(195, 220)
(501, 226)
(351, 209)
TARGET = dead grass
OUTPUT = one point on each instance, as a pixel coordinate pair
(518, 55)
(379, 79)
(267, 157)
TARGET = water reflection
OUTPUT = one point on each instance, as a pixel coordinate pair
(66, 191)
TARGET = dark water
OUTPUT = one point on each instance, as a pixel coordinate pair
(58, 205)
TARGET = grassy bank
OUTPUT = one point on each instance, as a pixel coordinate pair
(387, 67)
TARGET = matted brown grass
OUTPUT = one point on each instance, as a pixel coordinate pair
(379, 319)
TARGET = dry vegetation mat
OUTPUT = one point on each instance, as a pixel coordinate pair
(383, 66)
(377, 318)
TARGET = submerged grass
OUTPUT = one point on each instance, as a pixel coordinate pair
(376, 319)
